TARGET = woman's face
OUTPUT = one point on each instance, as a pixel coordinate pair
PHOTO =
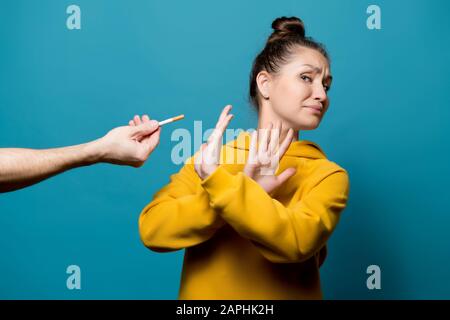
(297, 93)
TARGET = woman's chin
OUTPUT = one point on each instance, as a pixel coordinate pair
(308, 125)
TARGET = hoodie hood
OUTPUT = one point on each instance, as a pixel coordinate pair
(299, 149)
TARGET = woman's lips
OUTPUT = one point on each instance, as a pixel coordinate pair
(314, 109)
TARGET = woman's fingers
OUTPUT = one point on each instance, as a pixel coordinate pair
(131, 123)
(285, 175)
(222, 123)
(264, 155)
(275, 138)
(209, 154)
(215, 144)
(253, 152)
(252, 160)
(264, 139)
(216, 136)
(198, 160)
(264, 158)
(224, 113)
(285, 144)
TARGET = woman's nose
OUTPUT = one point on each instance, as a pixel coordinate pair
(319, 93)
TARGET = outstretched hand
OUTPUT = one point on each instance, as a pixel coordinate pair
(264, 157)
(208, 157)
(130, 145)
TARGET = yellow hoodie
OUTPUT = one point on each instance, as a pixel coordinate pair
(242, 243)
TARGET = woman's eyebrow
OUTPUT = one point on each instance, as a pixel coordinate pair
(318, 70)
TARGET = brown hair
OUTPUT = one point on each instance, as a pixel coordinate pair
(288, 34)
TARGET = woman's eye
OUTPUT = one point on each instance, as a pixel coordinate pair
(306, 78)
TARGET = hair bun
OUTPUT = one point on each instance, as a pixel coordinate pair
(285, 27)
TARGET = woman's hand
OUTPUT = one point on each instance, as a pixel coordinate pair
(263, 159)
(208, 158)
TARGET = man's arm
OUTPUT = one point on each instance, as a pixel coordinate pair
(20, 168)
(128, 145)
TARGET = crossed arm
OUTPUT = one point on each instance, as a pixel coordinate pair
(201, 199)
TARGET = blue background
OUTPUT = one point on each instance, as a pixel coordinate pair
(387, 125)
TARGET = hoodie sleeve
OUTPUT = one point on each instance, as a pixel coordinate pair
(282, 234)
(179, 215)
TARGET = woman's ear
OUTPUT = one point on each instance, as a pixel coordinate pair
(263, 80)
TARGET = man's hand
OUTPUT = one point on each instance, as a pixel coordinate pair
(129, 145)
(208, 158)
(264, 158)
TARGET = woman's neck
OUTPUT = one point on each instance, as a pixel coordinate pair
(266, 116)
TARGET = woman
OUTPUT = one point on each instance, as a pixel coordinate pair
(258, 229)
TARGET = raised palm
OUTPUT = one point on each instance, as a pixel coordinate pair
(264, 157)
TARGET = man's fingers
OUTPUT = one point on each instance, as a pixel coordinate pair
(137, 120)
(145, 118)
(150, 142)
(148, 137)
(145, 129)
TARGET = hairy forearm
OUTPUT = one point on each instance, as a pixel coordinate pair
(23, 167)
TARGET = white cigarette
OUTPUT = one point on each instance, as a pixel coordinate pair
(171, 120)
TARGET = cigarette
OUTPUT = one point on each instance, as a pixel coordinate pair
(171, 120)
